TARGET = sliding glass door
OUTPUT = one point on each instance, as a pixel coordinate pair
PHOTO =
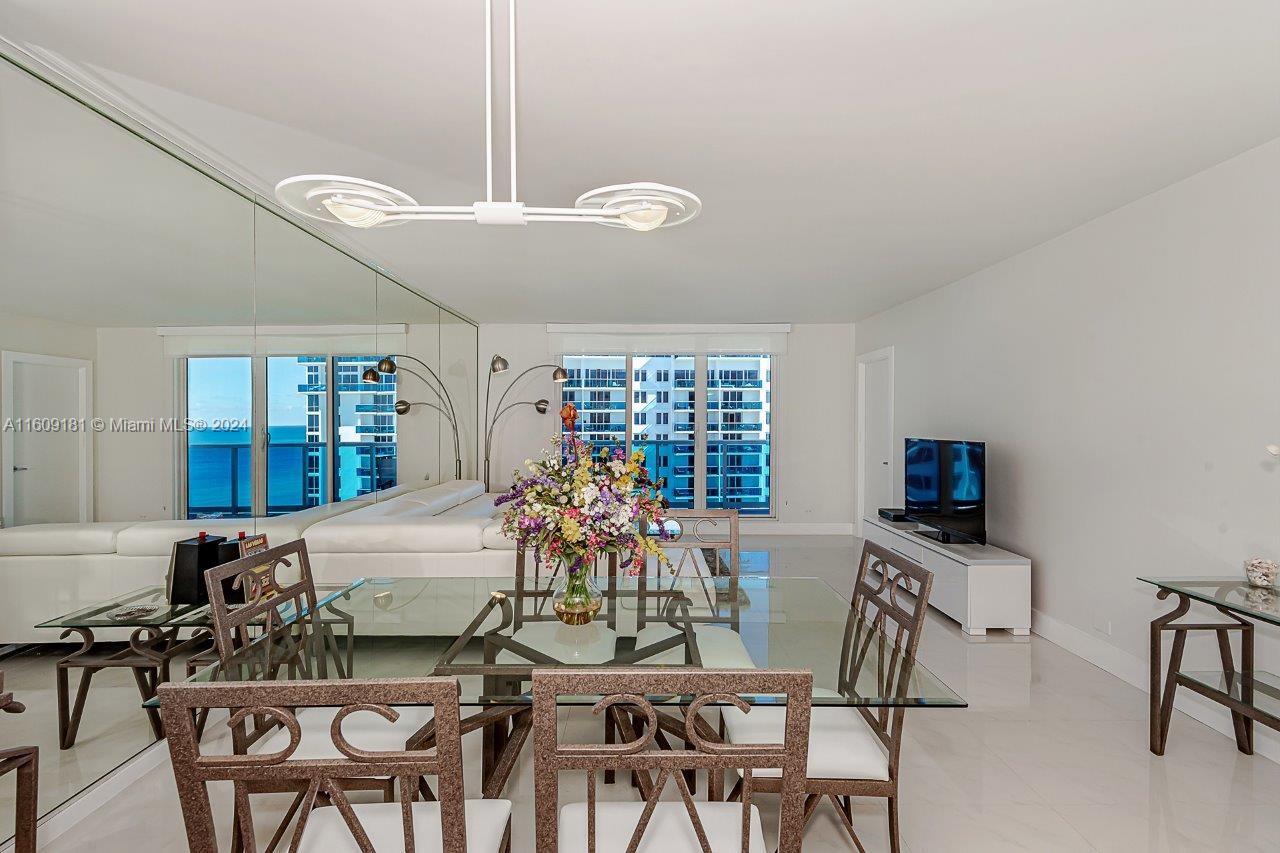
(293, 410)
(297, 463)
(219, 465)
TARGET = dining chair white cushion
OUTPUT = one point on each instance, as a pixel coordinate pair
(589, 644)
(327, 832)
(670, 830)
(841, 744)
(721, 647)
(363, 730)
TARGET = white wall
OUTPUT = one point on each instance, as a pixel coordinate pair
(44, 337)
(135, 381)
(813, 419)
(1124, 377)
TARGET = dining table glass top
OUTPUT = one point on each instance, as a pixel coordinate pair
(491, 635)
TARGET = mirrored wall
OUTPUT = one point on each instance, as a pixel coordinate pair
(179, 358)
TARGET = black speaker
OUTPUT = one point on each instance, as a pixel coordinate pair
(892, 514)
(191, 559)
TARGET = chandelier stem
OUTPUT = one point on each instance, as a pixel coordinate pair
(511, 37)
(488, 98)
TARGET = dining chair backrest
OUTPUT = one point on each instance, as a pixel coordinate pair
(629, 695)
(882, 634)
(317, 778)
(272, 608)
(690, 536)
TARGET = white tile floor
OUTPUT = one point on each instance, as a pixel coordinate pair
(1051, 755)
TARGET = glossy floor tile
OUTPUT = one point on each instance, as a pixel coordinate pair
(1051, 755)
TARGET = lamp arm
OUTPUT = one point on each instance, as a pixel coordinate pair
(488, 439)
(451, 416)
(443, 393)
(439, 409)
(522, 375)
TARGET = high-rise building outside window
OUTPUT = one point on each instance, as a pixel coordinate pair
(734, 430)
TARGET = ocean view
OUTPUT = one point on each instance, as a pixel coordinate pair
(217, 458)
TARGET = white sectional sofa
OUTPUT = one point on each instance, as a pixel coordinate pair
(449, 529)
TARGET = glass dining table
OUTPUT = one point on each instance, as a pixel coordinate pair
(491, 633)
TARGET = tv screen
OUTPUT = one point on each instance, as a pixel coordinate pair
(946, 488)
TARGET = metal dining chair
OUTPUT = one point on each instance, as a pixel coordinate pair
(326, 819)
(855, 751)
(629, 696)
(25, 761)
(279, 629)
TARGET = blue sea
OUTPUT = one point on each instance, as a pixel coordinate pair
(218, 458)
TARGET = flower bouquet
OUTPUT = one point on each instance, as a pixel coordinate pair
(577, 503)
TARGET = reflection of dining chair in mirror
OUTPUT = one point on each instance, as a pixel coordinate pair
(280, 627)
(684, 824)
(323, 773)
(854, 751)
(25, 760)
(697, 539)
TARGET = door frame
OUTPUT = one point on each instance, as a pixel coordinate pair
(84, 369)
(860, 475)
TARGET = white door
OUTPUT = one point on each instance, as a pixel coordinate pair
(875, 422)
(46, 419)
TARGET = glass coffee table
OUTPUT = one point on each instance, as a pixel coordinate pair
(155, 641)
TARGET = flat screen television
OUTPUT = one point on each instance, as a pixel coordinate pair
(946, 488)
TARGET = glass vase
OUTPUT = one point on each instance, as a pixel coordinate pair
(577, 599)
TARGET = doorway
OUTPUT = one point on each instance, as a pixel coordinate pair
(875, 475)
(46, 412)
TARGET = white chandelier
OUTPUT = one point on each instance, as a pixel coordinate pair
(365, 204)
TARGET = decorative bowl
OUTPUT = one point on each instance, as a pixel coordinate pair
(1261, 572)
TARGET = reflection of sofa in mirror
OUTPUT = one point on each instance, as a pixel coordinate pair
(448, 529)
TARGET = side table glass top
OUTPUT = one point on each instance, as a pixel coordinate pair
(1232, 594)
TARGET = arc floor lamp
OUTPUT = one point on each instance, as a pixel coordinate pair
(497, 365)
(388, 365)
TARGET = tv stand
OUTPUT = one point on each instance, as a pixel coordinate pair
(979, 586)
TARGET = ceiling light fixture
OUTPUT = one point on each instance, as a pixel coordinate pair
(358, 203)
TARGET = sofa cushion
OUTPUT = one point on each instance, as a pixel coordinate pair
(444, 496)
(403, 533)
(63, 538)
(156, 538)
(493, 538)
(478, 507)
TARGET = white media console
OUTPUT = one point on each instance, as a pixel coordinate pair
(979, 586)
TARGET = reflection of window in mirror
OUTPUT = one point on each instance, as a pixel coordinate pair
(219, 442)
(366, 427)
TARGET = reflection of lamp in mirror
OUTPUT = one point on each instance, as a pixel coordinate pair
(387, 365)
(498, 364)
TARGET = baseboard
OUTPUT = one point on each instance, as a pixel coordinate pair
(1135, 671)
(770, 527)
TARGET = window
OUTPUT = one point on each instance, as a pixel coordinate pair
(219, 454)
(296, 464)
(734, 430)
(739, 444)
(297, 438)
(602, 410)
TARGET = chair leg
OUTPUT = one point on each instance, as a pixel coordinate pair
(895, 840)
(26, 812)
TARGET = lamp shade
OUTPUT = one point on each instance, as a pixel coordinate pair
(560, 375)
(386, 365)
(498, 364)
(402, 407)
(370, 375)
(542, 406)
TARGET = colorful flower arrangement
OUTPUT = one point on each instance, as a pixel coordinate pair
(576, 503)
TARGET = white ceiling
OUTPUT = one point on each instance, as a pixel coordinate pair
(850, 155)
